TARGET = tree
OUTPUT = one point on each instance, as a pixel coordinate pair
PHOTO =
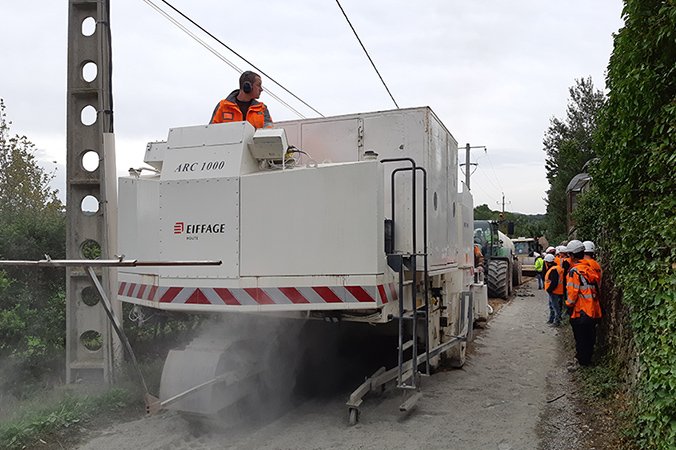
(32, 301)
(569, 146)
(24, 186)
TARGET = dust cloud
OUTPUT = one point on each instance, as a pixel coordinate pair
(279, 364)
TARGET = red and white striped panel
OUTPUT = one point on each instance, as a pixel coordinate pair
(380, 294)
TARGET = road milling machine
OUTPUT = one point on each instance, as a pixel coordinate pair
(349, 218)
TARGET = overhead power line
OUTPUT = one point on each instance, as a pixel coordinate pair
(212, 50)
(239, 56)
(367, 54)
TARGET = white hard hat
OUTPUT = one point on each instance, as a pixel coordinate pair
(549, 257)
(589, 247)
(575, 246)
(560, 249)
(536, 254)
(550, 249)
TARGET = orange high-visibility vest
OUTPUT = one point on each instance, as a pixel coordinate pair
(582, 292)
(228, 111)
(594, 265)
(558, 290)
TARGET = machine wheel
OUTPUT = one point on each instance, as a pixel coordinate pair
(517, 272)
(498, 278)
(352, 416)
(457, 355)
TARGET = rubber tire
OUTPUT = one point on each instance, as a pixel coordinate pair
(498, 279)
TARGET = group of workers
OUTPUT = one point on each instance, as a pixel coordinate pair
(572, 278)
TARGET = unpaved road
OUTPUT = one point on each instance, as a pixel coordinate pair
(497, 401)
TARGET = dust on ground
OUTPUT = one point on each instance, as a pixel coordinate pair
(514, 392)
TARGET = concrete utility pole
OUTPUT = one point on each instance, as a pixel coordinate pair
(503, 204)
(467, 164)
(91, 199)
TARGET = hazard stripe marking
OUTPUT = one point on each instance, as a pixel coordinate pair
(151, 294)
(393, 291)
(259, 296)
(198, 298)
(132, 286)
(294, 295)
(170, 294)
(227, 296)
(327, 295)
(381, 292)
(360, 294)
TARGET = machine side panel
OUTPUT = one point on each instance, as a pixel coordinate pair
(313, 221)
(139, 220)
(200, 221)
(415, 133)
(336, 141)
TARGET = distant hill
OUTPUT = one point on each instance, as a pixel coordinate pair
(525, 225)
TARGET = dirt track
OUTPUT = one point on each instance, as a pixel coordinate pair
(497, 401)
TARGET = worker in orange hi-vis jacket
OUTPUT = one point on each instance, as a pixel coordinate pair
(242, 104)
(589, 259)
(582, 303)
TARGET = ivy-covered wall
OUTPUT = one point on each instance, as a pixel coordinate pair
(631, 211)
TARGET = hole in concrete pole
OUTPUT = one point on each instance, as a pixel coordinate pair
(89, 71)
(90, 160)
(90, 249)
(89, 205)
(91, 340)
(89, 296)
(88, 26)
(88, 115)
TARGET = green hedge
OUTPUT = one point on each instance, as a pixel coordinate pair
(630, 210)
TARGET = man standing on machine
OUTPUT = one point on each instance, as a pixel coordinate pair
(242, 104)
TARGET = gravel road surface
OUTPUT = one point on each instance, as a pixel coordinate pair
(497, 401)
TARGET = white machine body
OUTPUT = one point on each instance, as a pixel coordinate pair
(302, 237)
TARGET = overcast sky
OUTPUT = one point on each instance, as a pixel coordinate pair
(494, 71)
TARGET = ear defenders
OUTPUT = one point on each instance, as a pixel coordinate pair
(247, 87)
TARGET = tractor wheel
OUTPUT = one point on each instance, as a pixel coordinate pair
(498, 278)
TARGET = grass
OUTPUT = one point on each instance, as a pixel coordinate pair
(36, 422)
(59, 413)
(602, 380)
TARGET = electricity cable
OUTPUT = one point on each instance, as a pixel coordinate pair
(367, 53)
(238, 55)
(216, 53)
(494, 173)
(490, 180)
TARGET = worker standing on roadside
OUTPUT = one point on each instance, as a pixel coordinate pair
(589, 259)
(582, 303)
(554, 287)
(539, 267)
(242, 104)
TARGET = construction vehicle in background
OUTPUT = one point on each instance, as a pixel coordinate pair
(355, 218)
(502, 269)
(525, 249)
